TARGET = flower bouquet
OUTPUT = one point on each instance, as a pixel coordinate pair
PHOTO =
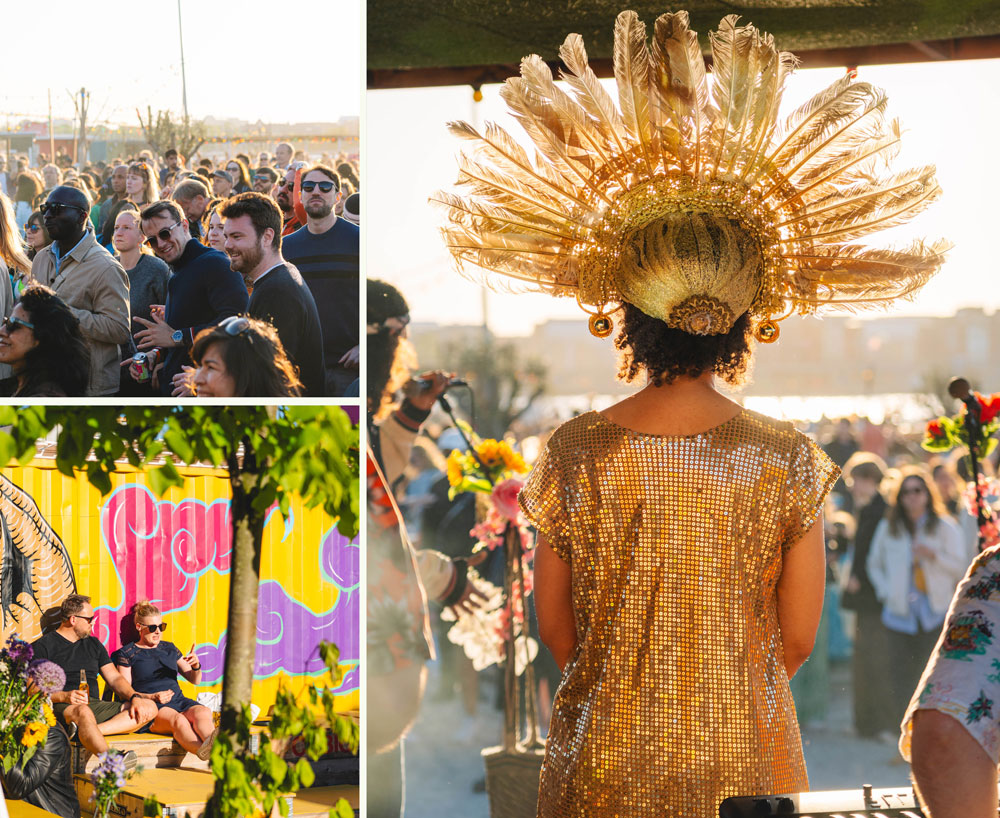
(108, 778)
(25, 705)
(945, 433)
(498, 631)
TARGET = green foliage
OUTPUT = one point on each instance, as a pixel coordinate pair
(312, 451)
(249, 783)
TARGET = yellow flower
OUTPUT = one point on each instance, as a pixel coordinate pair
(49, 716)
(454, 466)
(512, 461)
(34, 732)
(490, 453)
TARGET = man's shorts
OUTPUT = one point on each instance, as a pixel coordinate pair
(103, 711)
(962, 678)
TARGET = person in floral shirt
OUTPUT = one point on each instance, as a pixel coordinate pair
(951, 730)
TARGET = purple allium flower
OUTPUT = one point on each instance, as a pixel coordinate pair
(18, 652)
(47, 676)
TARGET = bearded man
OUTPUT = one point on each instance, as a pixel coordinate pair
(326, 252)
(280, 296)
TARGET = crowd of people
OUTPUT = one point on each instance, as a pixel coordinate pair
(142, 694)
(150, 255)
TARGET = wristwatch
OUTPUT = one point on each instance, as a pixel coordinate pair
(177, 337)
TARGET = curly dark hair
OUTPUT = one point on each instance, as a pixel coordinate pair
(648, 345)
(254, 358)
(61, 356)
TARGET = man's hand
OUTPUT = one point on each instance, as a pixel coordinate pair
(133, 370)
(158, 333)
(162, 696)
(77, 697)
(142, 710)
(351, 359)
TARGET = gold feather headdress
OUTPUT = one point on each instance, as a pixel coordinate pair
(690, 200)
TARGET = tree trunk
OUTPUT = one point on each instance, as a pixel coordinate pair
(244, 578)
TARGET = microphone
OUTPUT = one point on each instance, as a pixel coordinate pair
(425, 383)
(959, 389)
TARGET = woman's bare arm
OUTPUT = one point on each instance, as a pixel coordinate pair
(554, 602)
(800, 596)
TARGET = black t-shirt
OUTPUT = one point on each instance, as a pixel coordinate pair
(87, 654)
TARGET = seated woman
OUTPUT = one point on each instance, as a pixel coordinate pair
(42, 343)
(151, 665)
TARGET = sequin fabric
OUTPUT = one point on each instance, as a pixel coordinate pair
(676, 696)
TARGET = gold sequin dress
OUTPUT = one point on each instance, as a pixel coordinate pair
(676, 696)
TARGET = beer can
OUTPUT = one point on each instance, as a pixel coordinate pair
(141, 363)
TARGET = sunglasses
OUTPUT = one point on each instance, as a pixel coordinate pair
(56, 208)
(262, 177)
(233, 169)
(285, 182)
(10, 323)
(161, 627)
(32, 228)
(160, 235)
(326, 187)
(235, 325)
(89, 619)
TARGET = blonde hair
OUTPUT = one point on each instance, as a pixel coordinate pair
(145, 608)
(11, 249)
(152, 192)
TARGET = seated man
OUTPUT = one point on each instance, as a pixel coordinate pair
(75, 650)
(952, 726)
(46, 779)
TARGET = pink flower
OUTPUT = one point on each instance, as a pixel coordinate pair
(505, 497)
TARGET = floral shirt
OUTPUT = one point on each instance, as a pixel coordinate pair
(963, 677)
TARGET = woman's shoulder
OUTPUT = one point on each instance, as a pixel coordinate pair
(125, 652)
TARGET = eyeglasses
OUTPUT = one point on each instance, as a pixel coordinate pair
(235, 325)
(57, 208)
(10, 323)
(160, 235)
(284, 182)
(326, 187)
(31, 228)
(160, 626)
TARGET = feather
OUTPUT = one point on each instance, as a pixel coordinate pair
(595, 100)
(861, 200)
(631, 59)
(501, 148)
(679, 83)
(893, 212)
(581, 132)
(736, 68)
(497, 219)
(776, 68)
(851, 166)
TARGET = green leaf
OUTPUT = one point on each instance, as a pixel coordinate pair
(307, 775)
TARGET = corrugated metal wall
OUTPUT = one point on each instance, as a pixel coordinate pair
(174, 550)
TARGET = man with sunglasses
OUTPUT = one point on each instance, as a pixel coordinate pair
(201, 292)
(264, 180)
(326, 253)
(73, 647)
(89, 279)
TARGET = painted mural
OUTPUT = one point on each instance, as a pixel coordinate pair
(59, 535)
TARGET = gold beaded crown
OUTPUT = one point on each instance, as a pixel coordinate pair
(689, 199)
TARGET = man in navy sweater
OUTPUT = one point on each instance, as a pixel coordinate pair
(326, 252)
(280, 296)
(201, 292)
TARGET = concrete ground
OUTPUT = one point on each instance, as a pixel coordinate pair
(443, 764)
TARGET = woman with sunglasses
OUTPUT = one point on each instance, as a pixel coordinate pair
(41, 341)
(240, 175)
(240, 358)
(151, 666)
(916, 560)
(36, 234)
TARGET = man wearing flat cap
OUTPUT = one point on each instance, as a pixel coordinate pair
(89, 279)
(222, 184)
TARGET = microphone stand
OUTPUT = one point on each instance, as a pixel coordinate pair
(959, 389)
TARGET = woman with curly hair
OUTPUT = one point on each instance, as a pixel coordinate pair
(41, 341)
(240, 358)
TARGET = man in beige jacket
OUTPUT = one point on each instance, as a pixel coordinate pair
(89, 279)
